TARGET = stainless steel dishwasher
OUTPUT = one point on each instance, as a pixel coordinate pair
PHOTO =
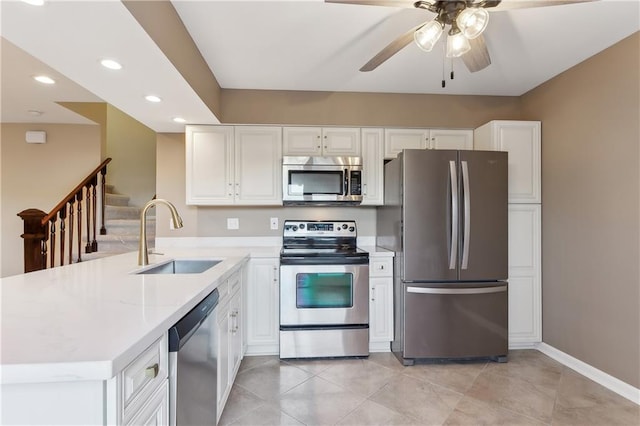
(193, 366)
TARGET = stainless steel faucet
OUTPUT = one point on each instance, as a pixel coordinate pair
(143, 254)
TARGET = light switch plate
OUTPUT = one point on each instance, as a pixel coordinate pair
(233, 223)
(273, 222)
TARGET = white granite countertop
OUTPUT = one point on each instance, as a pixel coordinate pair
(88, 320)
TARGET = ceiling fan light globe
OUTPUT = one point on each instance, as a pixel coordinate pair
(472, 21)
(428, 35)
(457, 45)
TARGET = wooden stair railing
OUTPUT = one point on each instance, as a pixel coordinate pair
(40, 228)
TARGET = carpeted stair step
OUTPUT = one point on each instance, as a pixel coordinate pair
(116, 199)
(129, 226)
(121, 212)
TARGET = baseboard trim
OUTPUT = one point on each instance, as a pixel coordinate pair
(608, 381)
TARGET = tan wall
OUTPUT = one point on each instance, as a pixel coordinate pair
(365, 109)
(38, 176)
(591, 214)
(132, 146)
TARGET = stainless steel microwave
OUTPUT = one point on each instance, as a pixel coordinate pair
(321, 180)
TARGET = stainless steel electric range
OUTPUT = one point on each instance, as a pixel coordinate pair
(324, 291)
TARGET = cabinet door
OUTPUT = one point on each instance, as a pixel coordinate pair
(381, 309)
(302, 141)
(235, 337)
(395, 140)
(343, 141)
(450, 139)
(525, 290)
(224, 385)
(373, 167)
(209, 165)
(263, 307)
(156, 410)
(258, 168)
(522, 140)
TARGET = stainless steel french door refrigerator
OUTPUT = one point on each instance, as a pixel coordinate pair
(445, 216)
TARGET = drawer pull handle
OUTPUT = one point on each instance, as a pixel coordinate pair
(152, 372)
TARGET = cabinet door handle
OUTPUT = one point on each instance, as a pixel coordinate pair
(152, 372)
(364, 189)
(373, 294)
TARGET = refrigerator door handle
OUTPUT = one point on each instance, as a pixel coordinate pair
(479, 290)
(467, 215)
(453, 243)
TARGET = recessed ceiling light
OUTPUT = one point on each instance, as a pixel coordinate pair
(111, 64)
(44, 79)
(34, 2)
(152, 98)
(35, 113)
(179, 120)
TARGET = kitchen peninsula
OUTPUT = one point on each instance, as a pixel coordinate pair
(86, 343)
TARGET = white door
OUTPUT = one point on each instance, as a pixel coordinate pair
(263, 307)
(302, 141)
(341, 141)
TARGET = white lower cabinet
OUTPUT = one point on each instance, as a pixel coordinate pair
(525, 283)
(137, 395)
(229, 340)
(156, 411)
(380, 303)
(263, 307)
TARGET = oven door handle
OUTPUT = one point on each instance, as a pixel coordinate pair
(356, 260)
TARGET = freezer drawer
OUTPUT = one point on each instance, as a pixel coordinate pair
(455, 321)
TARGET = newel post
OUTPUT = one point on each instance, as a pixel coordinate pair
(34, 236)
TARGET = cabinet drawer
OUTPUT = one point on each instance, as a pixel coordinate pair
(234, 282)
(143, 376)
(381, 267)
(223, 291)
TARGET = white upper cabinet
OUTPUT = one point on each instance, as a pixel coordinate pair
(328, 141)
(521, 139)
(234, 165)
(450, 139)
(372, 167)
(258, 165)
(209, 156)
(395, 140)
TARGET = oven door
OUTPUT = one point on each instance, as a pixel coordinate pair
(324, 295)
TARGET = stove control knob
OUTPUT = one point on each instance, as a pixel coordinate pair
(344, 226)
(295, 228)
(351, 229)
(302, 226)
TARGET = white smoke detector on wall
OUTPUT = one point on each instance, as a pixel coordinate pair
(36, 136)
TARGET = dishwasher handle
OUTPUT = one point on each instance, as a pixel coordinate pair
(180, 333)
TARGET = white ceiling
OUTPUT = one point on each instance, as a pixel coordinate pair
(295, 45)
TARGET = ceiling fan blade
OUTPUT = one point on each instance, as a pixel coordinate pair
(391, 49)
(388, 3)
(511, 4)
(478, 57)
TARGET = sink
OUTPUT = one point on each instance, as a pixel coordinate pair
(181, 266)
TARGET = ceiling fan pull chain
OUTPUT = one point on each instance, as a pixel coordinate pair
(444, 64)
(451, 68)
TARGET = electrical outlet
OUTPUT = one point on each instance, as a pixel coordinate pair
(273, 222)
(233, 223)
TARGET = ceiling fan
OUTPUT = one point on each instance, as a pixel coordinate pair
(467, 20)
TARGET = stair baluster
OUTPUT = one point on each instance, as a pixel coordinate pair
(40, 230)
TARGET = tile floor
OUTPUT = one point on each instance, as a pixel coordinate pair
(531, 389)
